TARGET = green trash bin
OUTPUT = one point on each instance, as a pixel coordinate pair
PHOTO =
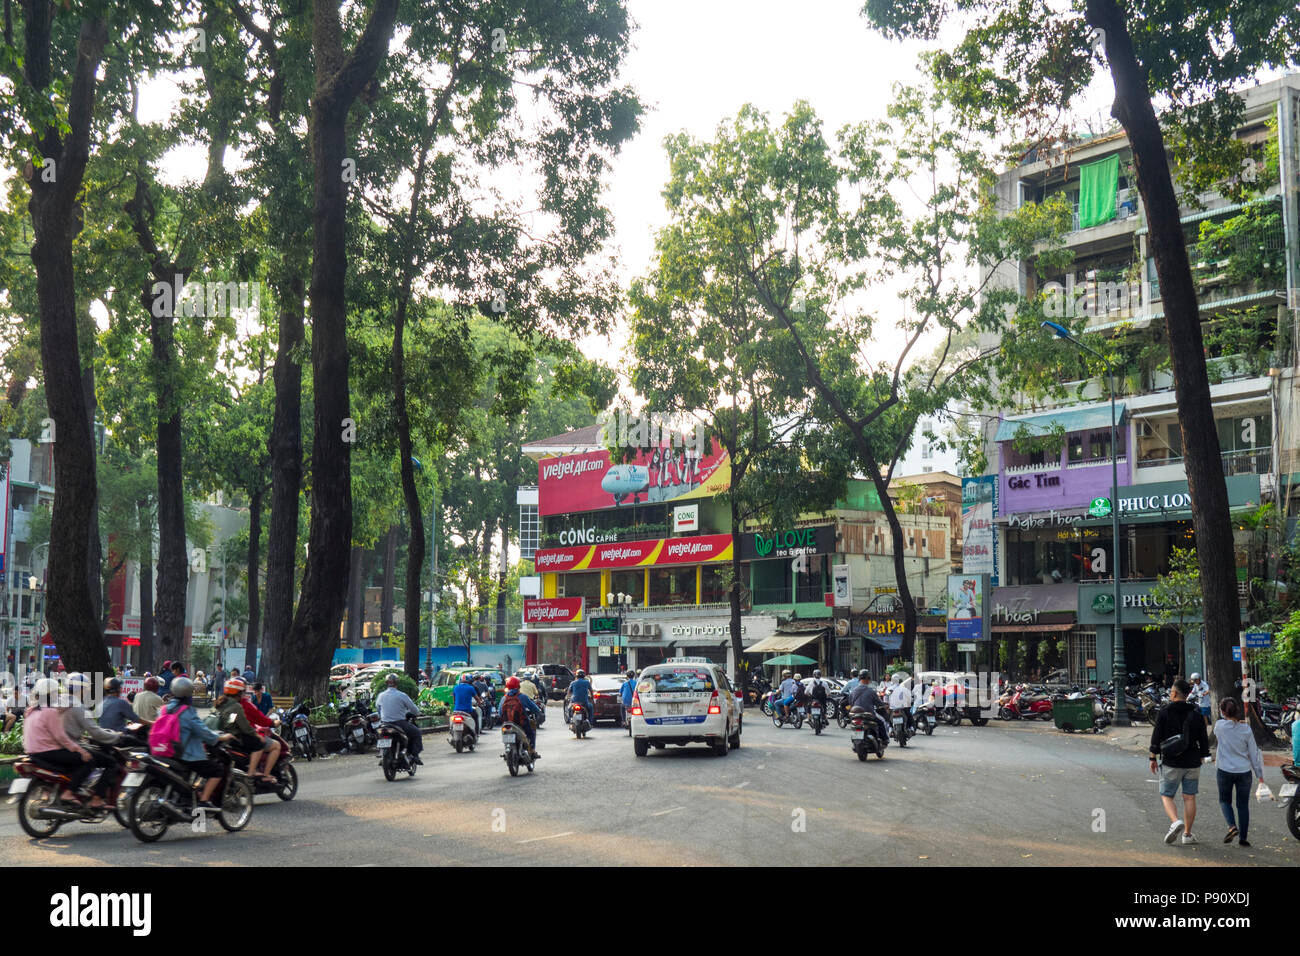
(1072, 715)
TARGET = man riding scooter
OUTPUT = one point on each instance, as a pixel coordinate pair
(864, 698)
(900, 701)
(517, 708)
(580, 695)
(465, 699)
(785, 696)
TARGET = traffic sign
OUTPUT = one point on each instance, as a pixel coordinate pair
(1236, 653)
(1259, 639)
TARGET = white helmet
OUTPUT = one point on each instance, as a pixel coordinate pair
(1196, 677)
(798, 677)
(897, 678)
(47, 693)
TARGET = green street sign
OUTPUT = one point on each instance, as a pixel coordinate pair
(1103, 604)
(1099, 508)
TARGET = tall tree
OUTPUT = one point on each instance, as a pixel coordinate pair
(1030, 63)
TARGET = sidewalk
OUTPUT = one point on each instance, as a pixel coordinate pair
(1138, 739)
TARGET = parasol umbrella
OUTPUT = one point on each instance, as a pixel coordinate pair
(786, 660)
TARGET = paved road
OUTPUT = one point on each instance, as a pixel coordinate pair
(1000, 795)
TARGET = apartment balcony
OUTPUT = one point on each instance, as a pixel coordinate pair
(1251, 461)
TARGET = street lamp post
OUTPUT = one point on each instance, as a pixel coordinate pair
(1119, 668)
(619, 602)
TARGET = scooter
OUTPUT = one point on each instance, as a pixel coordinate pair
(460, 731)
(394, 754)
(354, 728)
(299, 729)
(516, 753)
(579, 722)
(166, 795)
(1290, 799)
(286, 775)
(1018, 706)
(864, 736)
(816, 719)
(794, 718)
(899, 729)
(926, 716)
(37, 789)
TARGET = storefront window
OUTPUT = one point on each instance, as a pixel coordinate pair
(810, 585)
(1092, 446)
(713, 585)
(629, 582)
(1037, 458)
(672, 586)
(1043, 556)
(584, 586)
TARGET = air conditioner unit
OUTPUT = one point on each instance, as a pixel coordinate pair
(650, 630)
(919, 602)
(634, 630)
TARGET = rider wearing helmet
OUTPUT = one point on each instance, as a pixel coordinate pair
(516, 708)
(580, 694)
(818, 689)
(863, 698)
(147, 703)
(232, 719)
(194, 734)
(1201, 696)
(46, 742)
(394, 707)
(114, 712)
(785, 696)
(78, 724)
(900, 698)
(625, 697)
(464, 698)
(486, 696)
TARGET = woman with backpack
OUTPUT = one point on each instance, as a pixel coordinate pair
(1236, 757)
(178, 733)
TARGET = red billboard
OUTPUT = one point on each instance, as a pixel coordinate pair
(591, 482)
(632, 554)
(553, 610)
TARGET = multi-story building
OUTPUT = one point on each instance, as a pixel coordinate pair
(1054, 556)
(649, 543)
(27, 485)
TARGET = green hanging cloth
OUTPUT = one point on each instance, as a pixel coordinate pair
(1098, 185)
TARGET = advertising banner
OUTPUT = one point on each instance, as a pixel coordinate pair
(633, 554)
(842, 585)
(968, 601)
(553, 610)
(979, 543)
(787, 543)
(591, 482)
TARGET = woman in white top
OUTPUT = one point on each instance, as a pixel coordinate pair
(1236, 756)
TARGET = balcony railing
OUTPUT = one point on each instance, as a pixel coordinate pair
(1251, 461)
(1125, 208)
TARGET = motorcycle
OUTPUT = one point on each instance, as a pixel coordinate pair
(37, 789)
(899, 729)
(394, 753)
(286, 775)
(926, 715)
(167, 793)
(794, 718)
(355, 728)
(815, 718)
(1289, 799)
(1019, 706)
(579, 721)
(865, 740)
(516, 753)
(299, 730)
(461, 733)
(768, 703)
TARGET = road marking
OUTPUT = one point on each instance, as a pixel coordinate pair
(669, 810)
(739, 785)
(553, 836)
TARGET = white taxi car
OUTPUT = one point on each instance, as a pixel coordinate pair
(682, 701)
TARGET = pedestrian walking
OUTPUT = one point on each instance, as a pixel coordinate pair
(1180, 744)
(1236, 756)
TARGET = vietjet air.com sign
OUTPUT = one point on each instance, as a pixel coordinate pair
(633, 554)
(553, 610)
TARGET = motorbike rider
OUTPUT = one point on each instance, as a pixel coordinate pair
(785, 696)
(464, 698)
(900, 699)
(258, 718)
(864, 698)
(114, 712)
(625, 697)
(45, 740)
(486, 696)
(528, 688)
(232, 719)
(394, 707)
(147, 703)
(1201, 696)
(818, 691)
(76, 722)
(194, 734)
(517, 708)
(580, 694)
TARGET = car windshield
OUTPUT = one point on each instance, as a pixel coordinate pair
(676, 680)
(607, 683)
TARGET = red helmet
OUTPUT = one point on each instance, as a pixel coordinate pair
(234, 687)
(512, 683)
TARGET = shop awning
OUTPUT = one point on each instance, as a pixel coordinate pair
(886, 642)
(578, 628)
(1076, 420)
(1031, 628)
(782, 643)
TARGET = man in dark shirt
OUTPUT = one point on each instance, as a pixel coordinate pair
(115, 713)
(261, 699)
(1181, 759)
(864, 696)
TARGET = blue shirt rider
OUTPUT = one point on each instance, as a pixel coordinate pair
(625, 693)
(463, 697)
(580, 692)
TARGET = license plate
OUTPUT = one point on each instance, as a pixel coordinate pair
(898, 721)
(801, 710)
(133, 780)
(508, 738)
(816, 711)
(932, 719)
(859, 734)
(385, 743)
(1288, 790)
(302, 733)
(19, 785)
(358, 733)
(674, 708)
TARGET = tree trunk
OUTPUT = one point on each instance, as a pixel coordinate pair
(253, 566)
(1201, 454)
(173, 562)
(733, 597)
(285, 454)
(501, 585)
(56, 221)
(414, 515)
(148, 651)
(906, 652)
(95, 548)
(390, 581)
(309, 645)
